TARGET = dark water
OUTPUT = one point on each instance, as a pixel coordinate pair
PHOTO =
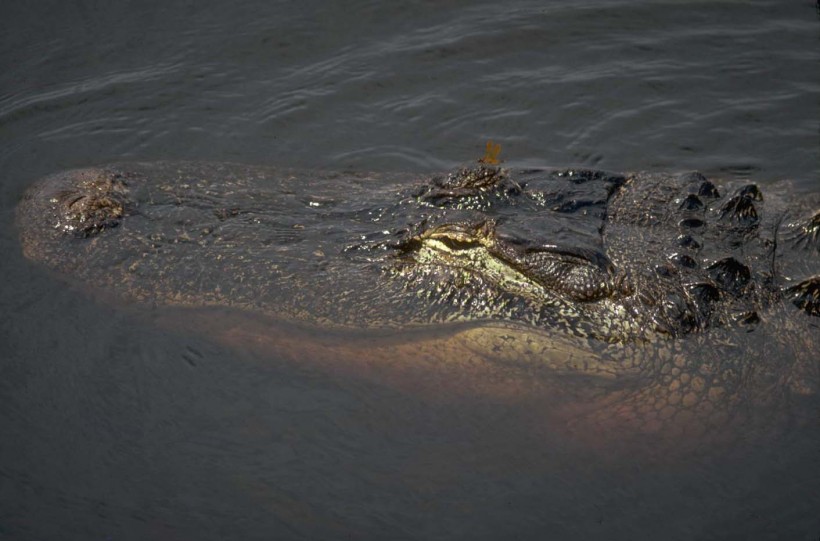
(115, 428)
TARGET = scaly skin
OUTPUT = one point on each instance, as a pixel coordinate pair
(662, 299)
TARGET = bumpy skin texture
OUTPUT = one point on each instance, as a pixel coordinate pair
(669, 296)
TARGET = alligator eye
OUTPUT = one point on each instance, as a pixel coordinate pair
(457, 244)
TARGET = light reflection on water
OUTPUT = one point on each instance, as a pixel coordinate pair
(114, 426)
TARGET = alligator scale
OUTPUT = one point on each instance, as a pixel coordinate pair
(666, 293)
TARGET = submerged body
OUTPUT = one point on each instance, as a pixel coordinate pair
(667, 295)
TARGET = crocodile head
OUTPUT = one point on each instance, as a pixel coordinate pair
(667, 295)
(612, 257)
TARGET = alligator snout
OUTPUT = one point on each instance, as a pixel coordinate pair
(89, 201)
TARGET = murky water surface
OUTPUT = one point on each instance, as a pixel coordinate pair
(118, 424)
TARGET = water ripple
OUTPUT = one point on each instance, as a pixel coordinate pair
(19, 104)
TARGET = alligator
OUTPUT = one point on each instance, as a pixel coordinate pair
(670, 295)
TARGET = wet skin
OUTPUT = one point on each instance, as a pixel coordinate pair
(664, 297)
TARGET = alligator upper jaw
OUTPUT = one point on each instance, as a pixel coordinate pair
(81, 202)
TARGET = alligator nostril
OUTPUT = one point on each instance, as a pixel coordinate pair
(94, 203)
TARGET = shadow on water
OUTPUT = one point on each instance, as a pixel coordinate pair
(258, 430)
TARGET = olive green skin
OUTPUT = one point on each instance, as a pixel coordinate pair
(665, 303)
